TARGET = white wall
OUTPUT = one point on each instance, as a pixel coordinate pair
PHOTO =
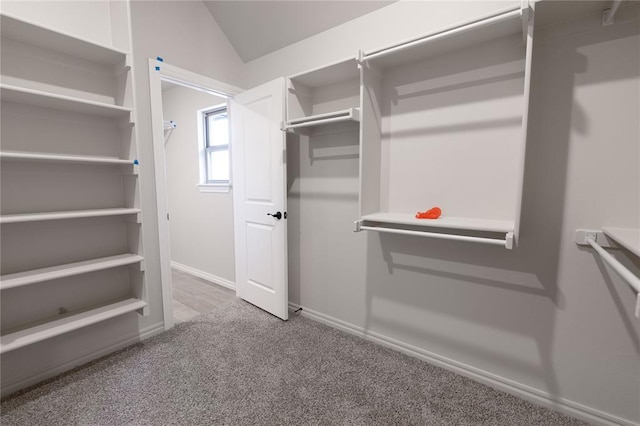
(201, 222)
(185, 34)
(547, 318)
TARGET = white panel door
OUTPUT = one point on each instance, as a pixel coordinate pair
(259, 197)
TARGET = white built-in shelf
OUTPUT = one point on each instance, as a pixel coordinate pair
(53, 40)
(325, 95)
(347, 115)
(60, 158)
(57, 327)
(628, 238)
(52, 273)
(469, 171)
(73, 214)
(40, 98)
(328, 75)
(462, 223)
(463, 35)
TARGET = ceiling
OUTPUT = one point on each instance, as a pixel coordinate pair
(256, 28)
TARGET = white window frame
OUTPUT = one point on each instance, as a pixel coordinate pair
(203, 185)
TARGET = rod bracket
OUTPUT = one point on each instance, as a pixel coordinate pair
(508, 241)
(357, 224)
(582, 236)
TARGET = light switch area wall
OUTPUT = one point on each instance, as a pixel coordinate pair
(546, 319)
(201, 222)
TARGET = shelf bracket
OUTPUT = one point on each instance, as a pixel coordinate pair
(508, 241)
(357, 224)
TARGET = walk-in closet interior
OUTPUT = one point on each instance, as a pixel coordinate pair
(254, 183)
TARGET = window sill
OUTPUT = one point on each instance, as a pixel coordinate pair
(208, 187)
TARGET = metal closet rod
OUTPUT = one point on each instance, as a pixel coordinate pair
(507, 242)
(625, 274)
(317, 122)
(446, 33)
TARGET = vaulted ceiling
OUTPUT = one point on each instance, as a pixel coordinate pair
(256, 28)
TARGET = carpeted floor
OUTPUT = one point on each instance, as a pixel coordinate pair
(239, 365)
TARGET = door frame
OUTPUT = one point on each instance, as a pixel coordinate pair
(159, 71)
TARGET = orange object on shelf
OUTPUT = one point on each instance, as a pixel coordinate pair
(432, 213)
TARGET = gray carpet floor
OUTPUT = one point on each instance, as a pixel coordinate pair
(239, 365)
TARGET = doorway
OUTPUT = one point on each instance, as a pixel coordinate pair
(193, 188)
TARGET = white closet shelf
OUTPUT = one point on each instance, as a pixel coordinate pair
(40, 98)
(53, 40)
(463, 223)
(77, 268)
(73, 214)
(351, 114)
(328, 74)
(38, 333)
(628, 238)
(463, 35)
(62, 158)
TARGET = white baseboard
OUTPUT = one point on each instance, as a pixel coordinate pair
(204, 275)
(518, 389)
(68, 365)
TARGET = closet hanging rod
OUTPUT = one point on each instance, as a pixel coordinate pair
(625, 274)
(352, 114)
(507, 242)
(317, 122)
(504, 16)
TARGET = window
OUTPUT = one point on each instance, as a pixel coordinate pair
(214, 161)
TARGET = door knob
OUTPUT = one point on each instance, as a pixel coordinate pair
(277, 215)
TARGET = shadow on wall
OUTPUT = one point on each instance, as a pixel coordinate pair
(464, 287)
(330, 145)
(326, 258)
